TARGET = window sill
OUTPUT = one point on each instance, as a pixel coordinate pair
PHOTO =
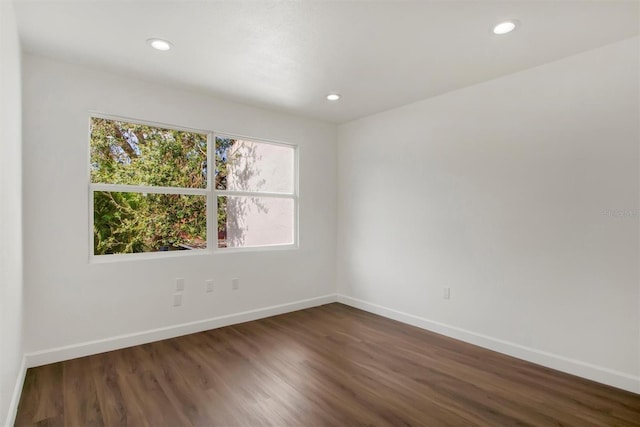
(107, 259)
(266, 248)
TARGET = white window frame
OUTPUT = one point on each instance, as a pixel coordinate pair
(210, 192)
(293, 196)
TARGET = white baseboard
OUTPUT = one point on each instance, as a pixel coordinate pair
(571, 366)
(17, 392)
(553, 361)
(59, 354)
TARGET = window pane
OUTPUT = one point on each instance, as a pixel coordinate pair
(254, 221)
(127, 222)
(133, 154)
(243, 165)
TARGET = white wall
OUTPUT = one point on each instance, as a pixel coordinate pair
(508, 192)
(70, 301)
(10, 214)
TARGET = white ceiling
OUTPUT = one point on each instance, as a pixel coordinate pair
(288, 55)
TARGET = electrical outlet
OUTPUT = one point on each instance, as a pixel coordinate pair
(177, 300)
(179, 284)
(235, 283)
(446, 293)
(209, 285)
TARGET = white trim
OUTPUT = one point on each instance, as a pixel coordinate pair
(101, 259)
(296, 191)
(91, 217)
(17, 392)
(125, 188)
(295, 196)
(91, 253)
(235, 193)
(226, 135)
(211, 214)
(73, 351)
(98, 115)
(263, 248)
(554, 361)
(211, 193)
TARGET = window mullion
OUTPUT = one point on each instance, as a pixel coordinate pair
(149, 189)
(254, 194)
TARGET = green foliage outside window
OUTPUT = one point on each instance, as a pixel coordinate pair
(134, 154)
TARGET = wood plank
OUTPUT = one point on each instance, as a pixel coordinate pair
(326, 366)
(43, 401)
(81, 406)
(117, 403)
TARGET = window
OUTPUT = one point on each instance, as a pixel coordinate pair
(151, 191)
(256, 195)
(149, 188)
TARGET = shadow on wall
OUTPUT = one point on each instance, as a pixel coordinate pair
(241, 168)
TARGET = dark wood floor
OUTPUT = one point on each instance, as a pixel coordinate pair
(327, 366)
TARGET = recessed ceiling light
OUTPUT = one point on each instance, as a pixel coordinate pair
(159, 44)
(333, 96)
(504, 27)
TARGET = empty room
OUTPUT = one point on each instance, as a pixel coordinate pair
(319, 213)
